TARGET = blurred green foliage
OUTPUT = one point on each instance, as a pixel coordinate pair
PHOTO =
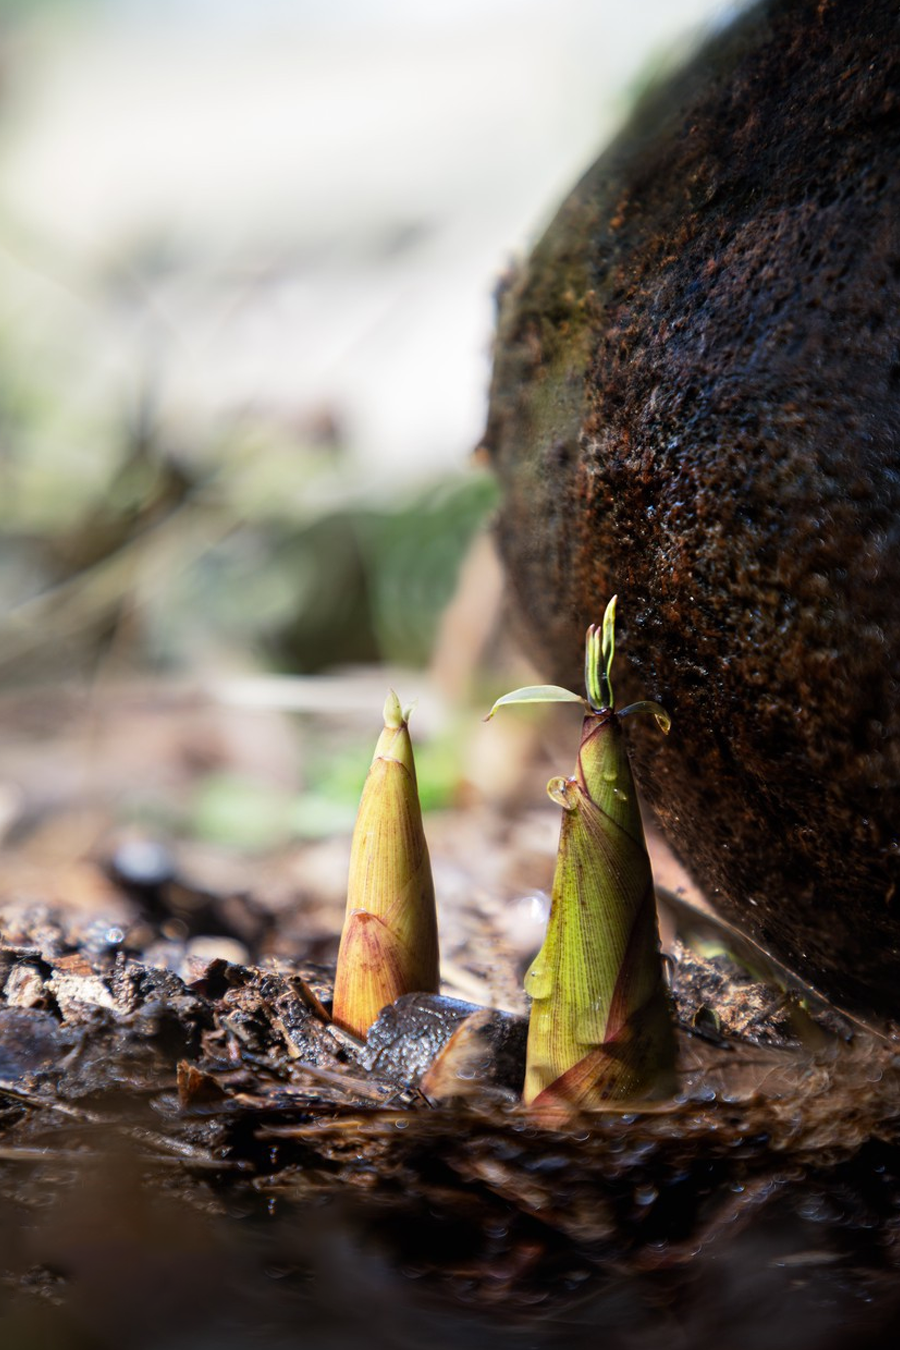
(257, 543)
(332, 583)
(142, 534)
(243, 812)
(372, 583)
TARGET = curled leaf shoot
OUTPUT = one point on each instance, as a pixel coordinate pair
(599, 650)
(599, 1027)
(389, 943)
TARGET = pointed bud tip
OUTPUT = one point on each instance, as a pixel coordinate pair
(393, 713)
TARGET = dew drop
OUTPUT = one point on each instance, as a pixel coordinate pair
(562, 791)
(539, 980)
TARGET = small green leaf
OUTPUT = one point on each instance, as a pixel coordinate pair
(537, 693)
(592, 686)
(663, 720)
(609, 641)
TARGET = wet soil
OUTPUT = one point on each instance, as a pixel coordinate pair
(191, 1154)
(200, 1156)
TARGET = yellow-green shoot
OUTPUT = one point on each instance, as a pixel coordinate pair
(389, 943)
(599, 1028)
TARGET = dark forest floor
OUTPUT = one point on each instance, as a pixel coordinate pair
(190, 1153)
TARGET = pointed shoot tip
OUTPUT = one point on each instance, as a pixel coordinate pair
(394, 717)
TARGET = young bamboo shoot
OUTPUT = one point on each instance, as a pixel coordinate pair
(389, 944)
(599, 1027)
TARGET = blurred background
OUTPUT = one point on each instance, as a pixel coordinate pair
(248, 252)
(248, 257)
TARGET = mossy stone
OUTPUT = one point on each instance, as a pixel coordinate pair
(696, 404)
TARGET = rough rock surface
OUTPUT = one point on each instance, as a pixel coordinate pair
(696, 403)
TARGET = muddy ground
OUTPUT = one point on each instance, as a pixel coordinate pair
(191, 1154)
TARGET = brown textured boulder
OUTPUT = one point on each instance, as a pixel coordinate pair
(696, 403)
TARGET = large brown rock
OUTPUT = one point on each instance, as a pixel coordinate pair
(696, 403)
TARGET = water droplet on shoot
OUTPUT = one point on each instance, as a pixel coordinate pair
(561, 791)
(539, 980)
